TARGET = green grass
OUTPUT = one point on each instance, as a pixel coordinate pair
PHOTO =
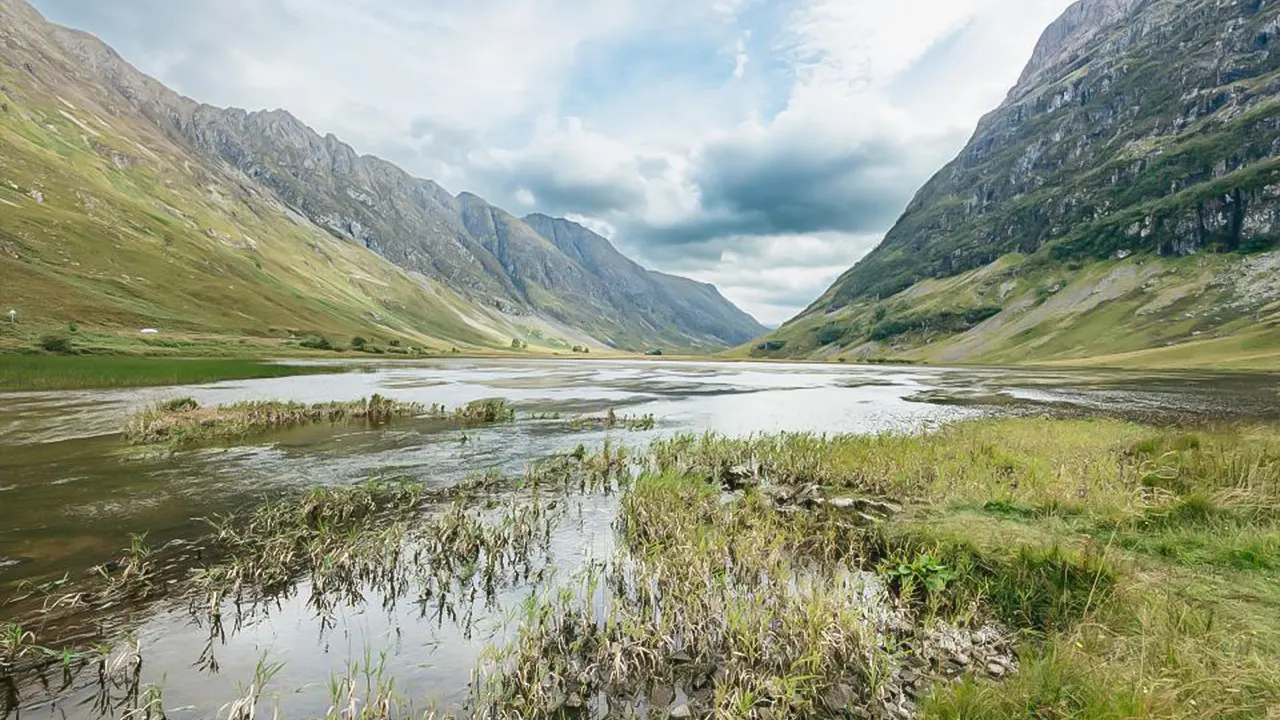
(1132, 567)
(53, 372)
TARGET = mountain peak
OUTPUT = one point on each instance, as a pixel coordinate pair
(1068, 36)
(1141, 133)
(264, 178)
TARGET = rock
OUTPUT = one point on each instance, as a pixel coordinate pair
(995, 669)
(881, 508)
(838, 697)
(662, 696)
(679, 657)
(681, 711)
(741, 476)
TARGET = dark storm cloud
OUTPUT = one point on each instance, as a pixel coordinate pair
(782, 187)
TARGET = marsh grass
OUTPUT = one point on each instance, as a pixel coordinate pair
(991, 569)
(1131, 565)
(611, 420)
(182, 421)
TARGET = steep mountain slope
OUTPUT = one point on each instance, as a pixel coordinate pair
(661, 300)
(191, 195)
(1124, 197)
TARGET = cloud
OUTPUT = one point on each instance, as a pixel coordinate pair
(764, 145)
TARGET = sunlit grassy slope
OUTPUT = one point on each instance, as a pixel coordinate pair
(1206, 311)
(107, 224)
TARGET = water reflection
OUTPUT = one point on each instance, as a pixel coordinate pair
(72, 494)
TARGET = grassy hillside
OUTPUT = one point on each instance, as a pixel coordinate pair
(1207, 310)
(108, 227)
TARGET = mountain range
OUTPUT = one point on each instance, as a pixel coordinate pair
(1121, 206)
(124, 205)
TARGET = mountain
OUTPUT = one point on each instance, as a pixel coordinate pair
(1121, 205)
(125, 205)
(660, 300)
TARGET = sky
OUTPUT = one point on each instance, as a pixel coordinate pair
(761, 145)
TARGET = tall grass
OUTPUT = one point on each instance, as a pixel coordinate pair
(182, 420)
(1025, 568)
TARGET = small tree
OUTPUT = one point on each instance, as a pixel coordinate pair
(358, 343)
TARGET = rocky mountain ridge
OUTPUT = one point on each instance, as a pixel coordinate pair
(1143, 132)
(485, 255)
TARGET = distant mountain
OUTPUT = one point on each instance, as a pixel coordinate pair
(1122, 204)
(657, 299)
(294, 217)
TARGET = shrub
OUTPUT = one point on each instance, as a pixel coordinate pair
(830, 333)
(72, 327)
(57, 344)
(654, 352)
(358, 343)
(518, 344)
(317, 342)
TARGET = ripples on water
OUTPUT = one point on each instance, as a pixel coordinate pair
(71, 493)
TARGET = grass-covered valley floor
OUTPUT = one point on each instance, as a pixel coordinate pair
(1023, 568)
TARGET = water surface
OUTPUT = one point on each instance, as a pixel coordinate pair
(71, 493)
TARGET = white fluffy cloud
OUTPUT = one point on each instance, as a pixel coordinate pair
(763, 145)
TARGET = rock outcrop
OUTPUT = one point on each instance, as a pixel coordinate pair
(1102, 208)
(1139, 126)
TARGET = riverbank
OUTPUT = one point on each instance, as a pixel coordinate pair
(990, 569)
(82, 372)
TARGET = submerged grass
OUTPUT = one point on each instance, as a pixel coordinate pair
(993, 569)
(61, 372)
(182, 421)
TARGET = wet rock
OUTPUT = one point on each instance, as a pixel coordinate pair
(662, 696)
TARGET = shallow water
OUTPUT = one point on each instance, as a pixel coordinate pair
(71, 492)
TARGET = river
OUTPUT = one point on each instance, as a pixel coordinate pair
(72, 493)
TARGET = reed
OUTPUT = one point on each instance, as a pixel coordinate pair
(182, 421)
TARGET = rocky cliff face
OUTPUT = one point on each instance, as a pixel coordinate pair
(661, 300)
(1122, 198)
(1140, 126)
(467, 245)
